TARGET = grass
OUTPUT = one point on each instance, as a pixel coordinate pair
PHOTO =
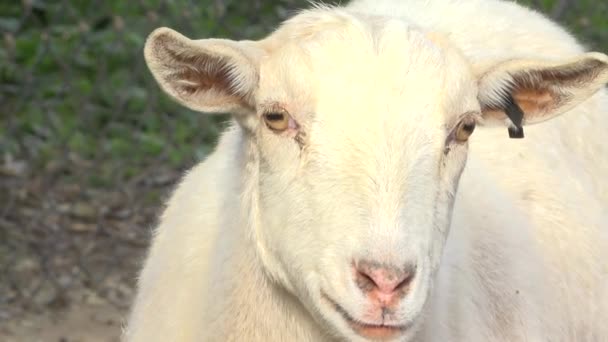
(74, 85)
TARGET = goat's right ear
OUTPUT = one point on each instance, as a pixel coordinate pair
(208, 75)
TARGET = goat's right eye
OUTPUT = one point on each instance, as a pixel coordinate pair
(464, 130)
(277, 121)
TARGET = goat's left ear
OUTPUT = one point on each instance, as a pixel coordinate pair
(520, 92)
(206, 75)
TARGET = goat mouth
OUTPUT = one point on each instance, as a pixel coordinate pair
(368, 330)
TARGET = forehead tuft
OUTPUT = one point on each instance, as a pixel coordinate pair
(322, 26)
(315, 23)
(366, 64)
(325, 38)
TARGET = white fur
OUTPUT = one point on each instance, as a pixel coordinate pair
(515, 248)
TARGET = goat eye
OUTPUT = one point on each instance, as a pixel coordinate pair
(464, 130)
(277, 121)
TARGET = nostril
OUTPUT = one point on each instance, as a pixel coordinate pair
(408, 277)
(365, 282)
(387, 279)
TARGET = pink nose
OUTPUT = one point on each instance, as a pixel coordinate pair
(388, 281)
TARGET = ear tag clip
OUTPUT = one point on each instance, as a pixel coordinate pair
(516, 115)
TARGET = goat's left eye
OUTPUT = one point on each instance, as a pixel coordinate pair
(277, 121)
(464, 130)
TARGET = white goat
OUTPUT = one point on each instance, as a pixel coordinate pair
(324, 213)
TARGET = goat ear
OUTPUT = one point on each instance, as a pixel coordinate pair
(520, 92)
(208, 75)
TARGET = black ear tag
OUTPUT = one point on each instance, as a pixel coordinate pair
(516, 115)
(516, 132)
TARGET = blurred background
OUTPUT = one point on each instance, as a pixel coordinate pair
(90, 147)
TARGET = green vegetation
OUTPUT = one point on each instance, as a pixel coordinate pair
(587, 19)
(74, 86)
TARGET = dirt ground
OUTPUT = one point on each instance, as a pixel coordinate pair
(80, 323)
(70, 253)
